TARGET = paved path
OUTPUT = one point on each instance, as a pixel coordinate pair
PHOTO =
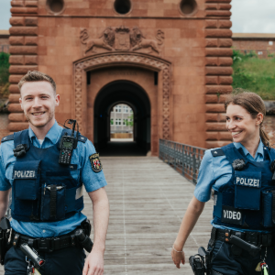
(147, 202)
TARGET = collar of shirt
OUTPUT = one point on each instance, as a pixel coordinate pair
(259, 156)
(51, 138)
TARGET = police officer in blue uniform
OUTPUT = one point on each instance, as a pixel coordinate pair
(242, 177)
(47, 197)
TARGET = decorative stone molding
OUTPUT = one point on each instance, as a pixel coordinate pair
(124, 58)
(121, 39)
(218, 70)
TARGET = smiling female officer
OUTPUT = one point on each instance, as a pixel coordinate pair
(241, 177)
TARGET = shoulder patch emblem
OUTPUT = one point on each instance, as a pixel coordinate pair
(95, 163)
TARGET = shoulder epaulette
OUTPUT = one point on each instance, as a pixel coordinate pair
(7, 138)
(82, 138)
(217, 152)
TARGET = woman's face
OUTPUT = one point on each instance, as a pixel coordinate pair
(241, 125)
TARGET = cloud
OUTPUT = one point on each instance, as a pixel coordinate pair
(250, 16)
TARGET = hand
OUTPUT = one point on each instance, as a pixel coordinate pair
(178, 257)
(94, 264)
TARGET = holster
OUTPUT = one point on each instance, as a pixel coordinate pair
(4, 238)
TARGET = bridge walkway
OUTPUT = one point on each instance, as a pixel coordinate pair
(147, 202)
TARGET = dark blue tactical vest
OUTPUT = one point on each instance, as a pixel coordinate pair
(43, 190)
(247, 201)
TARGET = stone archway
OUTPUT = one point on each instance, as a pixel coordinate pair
(121, 59)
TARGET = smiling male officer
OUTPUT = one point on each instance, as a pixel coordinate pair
(47, 196)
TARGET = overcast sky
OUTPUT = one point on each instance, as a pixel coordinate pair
(247, 15)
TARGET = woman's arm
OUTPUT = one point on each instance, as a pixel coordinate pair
(189, 220)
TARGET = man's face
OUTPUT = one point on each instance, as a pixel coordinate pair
(38, 102)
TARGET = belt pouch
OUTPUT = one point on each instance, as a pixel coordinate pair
(26, 180)
(268, 197)
(53, 203)
(247, 190)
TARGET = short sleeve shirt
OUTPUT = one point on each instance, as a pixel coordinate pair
(91, 180)
(217, 171)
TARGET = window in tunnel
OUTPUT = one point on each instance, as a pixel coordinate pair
(121, 123)
(188, 7)
(122, 6)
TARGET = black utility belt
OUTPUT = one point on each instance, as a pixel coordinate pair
(45, 244)
(255, 238)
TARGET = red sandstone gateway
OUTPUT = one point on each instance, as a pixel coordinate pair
(169, 61)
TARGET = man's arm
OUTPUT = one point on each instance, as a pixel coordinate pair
(94, 264)
(4, 201)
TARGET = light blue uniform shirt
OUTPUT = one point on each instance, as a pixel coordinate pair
(217, 171)
(91, 180)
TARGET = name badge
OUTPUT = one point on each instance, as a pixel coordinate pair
(231, 215)
(25, 174)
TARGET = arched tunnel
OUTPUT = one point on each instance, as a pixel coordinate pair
(129, 93)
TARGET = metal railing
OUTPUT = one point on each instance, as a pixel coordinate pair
(185, 159)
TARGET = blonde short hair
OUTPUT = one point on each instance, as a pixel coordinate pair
(33, 76)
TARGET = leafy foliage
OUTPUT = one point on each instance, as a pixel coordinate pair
(4, 74)
(253, 74)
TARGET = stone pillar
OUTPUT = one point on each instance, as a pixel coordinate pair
(218, 70)
(23, 49)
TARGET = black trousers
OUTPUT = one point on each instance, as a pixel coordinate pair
(64, 261)
(225, 262)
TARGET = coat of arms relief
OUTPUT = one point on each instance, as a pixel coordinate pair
(121, 39)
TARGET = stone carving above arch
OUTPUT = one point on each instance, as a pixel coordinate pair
(123, 58)
(121, 39)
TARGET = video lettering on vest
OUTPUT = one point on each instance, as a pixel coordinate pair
(24, 174)
(248, 182)
(232, 215)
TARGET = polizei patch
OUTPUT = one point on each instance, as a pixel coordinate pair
(250, 182)
(25, 174)
(231, 215)
(95, 163)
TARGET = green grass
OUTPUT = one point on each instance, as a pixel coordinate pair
(4, 75)
(253, 74)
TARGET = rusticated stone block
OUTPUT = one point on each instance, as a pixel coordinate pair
(228, 80)
(14, 98)
(16, 40)
(13, 88)
(225, 43)
(219, 70)
(18, 126)
(209, 24)
(223, 97)
(211, 98)
(14, 79)
(212, 117)
(224, 24)
(16, 60)
(17, 3)
(218, 89)
(212, 135)
(216, 144)
(15, 108)
(17, 21)
(225, 61)
(211, 7)
(31, 3)
(31, 59)
(218, 52)
(218, 33)
(218, 13)
(215, 126)
(23, 49)
(17, 117)
(211, 42)
(215, 108)
(224, 7)
(211, 61)
(23, 10)
(23, 30)
(211, 80)
(225, 136)
(222, 117)
(31, 21)
(31, 40)
(21, 69)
